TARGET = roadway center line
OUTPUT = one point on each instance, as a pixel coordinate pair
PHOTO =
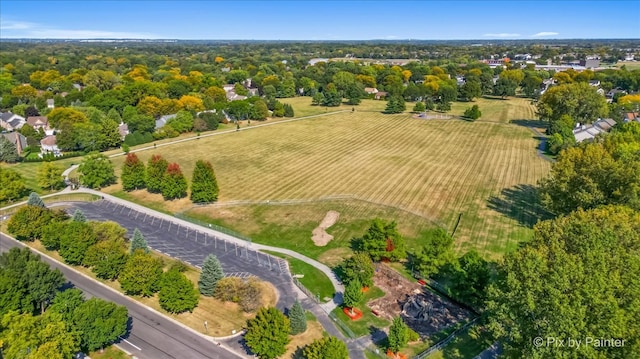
(130, 343)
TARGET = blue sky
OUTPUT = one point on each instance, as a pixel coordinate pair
(320, 20)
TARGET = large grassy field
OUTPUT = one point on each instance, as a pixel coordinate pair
(278, 181)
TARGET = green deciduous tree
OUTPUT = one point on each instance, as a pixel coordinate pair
(577, 277)
(26, 283)
(596, 174)
(37, 337)
(382, 240)
(505, 87)
(419, 107)
(579, 101)
(141, 274)
(107, 258)
(75, 241)
(96, 171)
(182, 122)
(50, 176)
(107, 230)
(133, 173)
(138, 242)
(27, 223)
(358, 267)
(398, 335)
(11, 185)
(473, 112)
(326, 348)
(470, 278)
(436, 252)
(210, 275)
(66, 302)
(155, 173)
(268, 333)
(204, 187)
(297, 318)
(177, 293)
(100, 323)
(174, 184)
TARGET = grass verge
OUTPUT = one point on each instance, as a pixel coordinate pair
(312, 278)
(368, 322)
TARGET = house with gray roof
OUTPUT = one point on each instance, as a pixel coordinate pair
(589, 132)
(160, 122)
(10, 121)
(17, 139)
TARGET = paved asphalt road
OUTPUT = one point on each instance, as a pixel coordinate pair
(152, 336)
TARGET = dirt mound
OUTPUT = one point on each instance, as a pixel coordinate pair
(319, 236)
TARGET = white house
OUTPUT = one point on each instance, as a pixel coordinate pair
(48, 144)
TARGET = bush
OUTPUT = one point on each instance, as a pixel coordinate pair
(473, 112)
(246, 293)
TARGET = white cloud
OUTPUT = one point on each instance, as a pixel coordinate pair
(545, 33)
(15, 25)
(502, 35)
(22, 29)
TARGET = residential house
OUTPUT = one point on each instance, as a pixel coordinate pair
(50, 103)
(17, 139)
(588, 132)
(38, 122)
(48, 145)
(380, 95)
(612, 94)
(594, 83)
(233, 96)
(253, 92)
(10, 121)
(160, 122)
(370, 90)
(631, 116)
(228, 87)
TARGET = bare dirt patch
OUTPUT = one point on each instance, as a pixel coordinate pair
(442, 313)
(319, 236)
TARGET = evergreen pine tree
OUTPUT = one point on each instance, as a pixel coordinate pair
(210, 275)
(297, 319)
(155, 173)
(138, 242)
(35, 200)
(353, 294)
(204, 187)
(78, 216)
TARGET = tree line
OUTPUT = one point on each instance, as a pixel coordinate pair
(41, 319)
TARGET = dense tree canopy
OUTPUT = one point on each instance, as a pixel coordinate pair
(605, 172)
(326, 348)
(577, 278)
(579, 101)
(11, 185)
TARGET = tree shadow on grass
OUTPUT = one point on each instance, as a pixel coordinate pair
(521, 203)
(529, 123)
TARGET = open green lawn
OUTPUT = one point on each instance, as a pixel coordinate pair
(467, 345)
(277, 182)
(312, 278)
(630, 65)
(495, 109)
(302, 106)
(368, 321)
(109, 353)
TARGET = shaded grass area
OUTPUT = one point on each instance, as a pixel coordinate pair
(496, 109)
(466, 345)
(368, 323)
(109, 353)
(312, 278)
(314, 331)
